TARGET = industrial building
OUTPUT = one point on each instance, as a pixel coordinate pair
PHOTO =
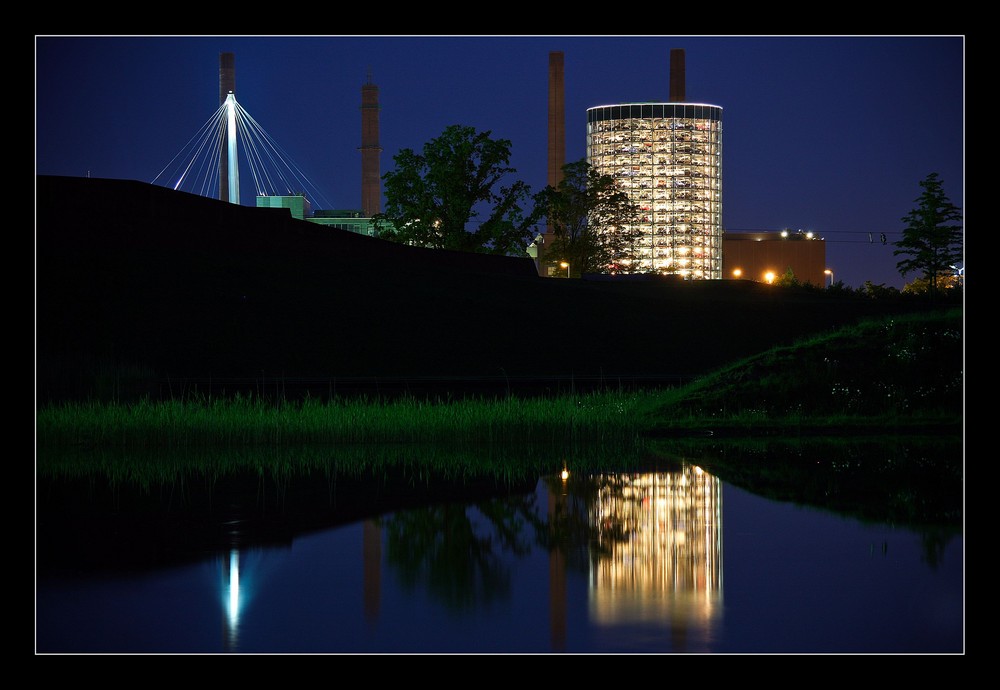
(666, 155)
(299, 207)
(297, 204)
(767, 256)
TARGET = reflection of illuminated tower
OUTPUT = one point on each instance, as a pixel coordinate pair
(227, 85)
(668, 158)
(371, 182)
(670, 566)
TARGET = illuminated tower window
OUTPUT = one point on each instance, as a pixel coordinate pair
(668, 158)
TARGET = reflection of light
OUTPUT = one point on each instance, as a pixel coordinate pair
(240, 571)
(230, 587)
(234, 588)
(669, 568)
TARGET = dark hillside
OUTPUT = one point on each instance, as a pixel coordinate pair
(171, 288)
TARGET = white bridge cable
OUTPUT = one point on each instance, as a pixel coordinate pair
(209, 162)
(293, 179)
(253, 141)
(194, 157)
(196, 168)
(207, 175)
(212, 178)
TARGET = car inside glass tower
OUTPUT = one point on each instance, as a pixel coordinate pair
(668, 158)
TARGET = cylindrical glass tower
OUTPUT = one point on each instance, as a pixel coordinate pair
(668, 158)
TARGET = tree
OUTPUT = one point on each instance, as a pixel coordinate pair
(945, 283)
(932, 238)
(788, 279)
(877, 290)
(432, 197)
(590, 218)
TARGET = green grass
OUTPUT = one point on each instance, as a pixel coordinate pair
(899, 371)
(877, 375)
(786, 424)
(597, 418)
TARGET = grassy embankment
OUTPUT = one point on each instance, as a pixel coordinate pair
(880, 375)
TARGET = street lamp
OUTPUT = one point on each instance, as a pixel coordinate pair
(829, 273)
(737, 273)
(960, 274)
(565, 264)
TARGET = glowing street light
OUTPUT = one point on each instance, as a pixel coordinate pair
(959, 273)
(565, 264)
(737, 272)
(829, 272)
(769, 277)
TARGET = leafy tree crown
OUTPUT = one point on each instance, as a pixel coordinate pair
(452, 195)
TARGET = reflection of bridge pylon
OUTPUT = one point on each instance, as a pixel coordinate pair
(231, 605)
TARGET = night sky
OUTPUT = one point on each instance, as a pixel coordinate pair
(829, 134)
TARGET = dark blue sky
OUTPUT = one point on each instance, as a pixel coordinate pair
(830, 134)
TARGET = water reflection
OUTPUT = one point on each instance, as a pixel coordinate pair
(626, 561)
(652, 544)
(231, 586)
(662, 555)
(649, 546)
(372, 559)
(235, 585)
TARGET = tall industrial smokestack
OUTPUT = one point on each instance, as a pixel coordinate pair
(371, 180)
(557, 119)
(227, 84)
(556, 146)
(677, 75)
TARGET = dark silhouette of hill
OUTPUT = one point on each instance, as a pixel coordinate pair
(166, 290)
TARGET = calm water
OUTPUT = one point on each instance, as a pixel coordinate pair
(671, 561)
